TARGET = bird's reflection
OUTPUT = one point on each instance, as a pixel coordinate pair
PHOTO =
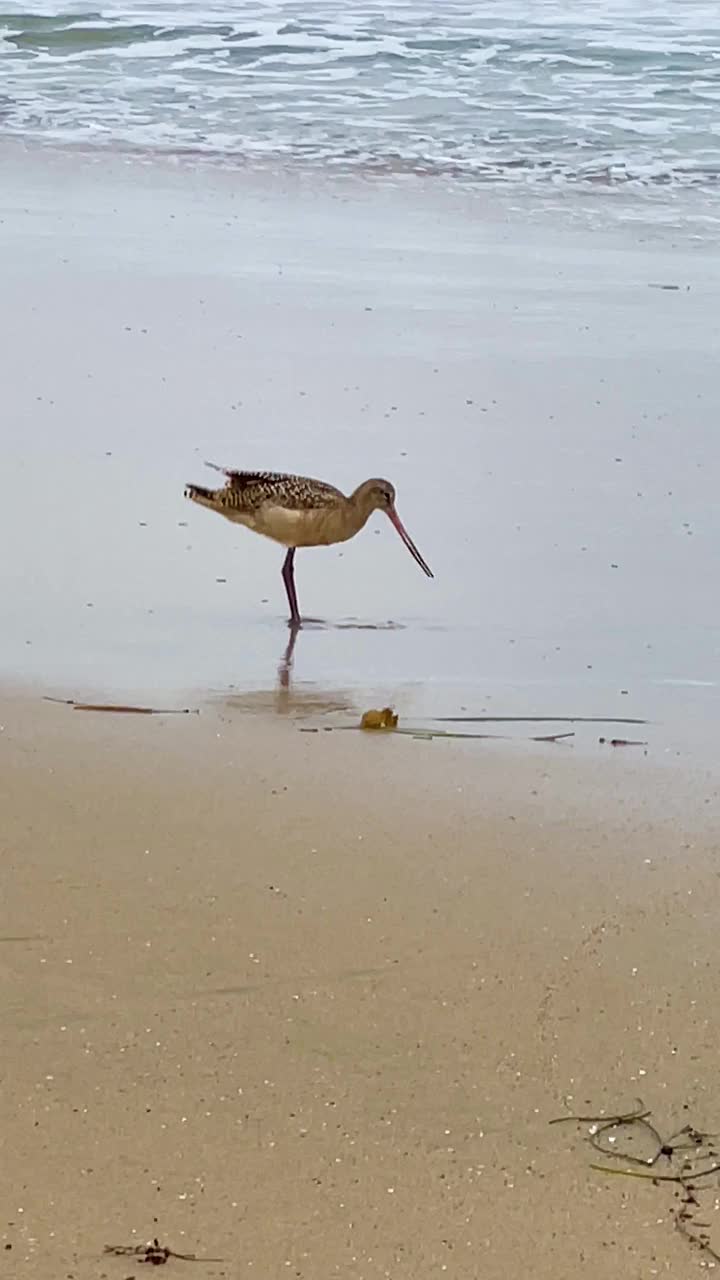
(321, 624)
(287, 696)
(286, 664)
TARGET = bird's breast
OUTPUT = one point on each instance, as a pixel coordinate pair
(310, 527)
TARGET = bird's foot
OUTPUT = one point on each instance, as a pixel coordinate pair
(297, 624)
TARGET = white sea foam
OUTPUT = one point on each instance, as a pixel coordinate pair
(612, 91)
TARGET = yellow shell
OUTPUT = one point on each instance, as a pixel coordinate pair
(385, 719)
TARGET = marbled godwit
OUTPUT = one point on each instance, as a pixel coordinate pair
(298, 512)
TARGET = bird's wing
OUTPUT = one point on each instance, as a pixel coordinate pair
(255, 489)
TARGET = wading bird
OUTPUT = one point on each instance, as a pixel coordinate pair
(298, 512)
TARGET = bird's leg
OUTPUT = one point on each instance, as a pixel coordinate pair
(288, 574)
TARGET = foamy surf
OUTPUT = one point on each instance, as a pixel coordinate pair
(617, 92)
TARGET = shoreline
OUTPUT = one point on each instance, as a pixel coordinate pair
(611, 782)
(654, 207)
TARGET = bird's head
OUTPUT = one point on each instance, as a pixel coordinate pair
(379, 495)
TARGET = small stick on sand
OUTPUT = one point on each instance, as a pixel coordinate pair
(682, 1179)
(639, 1112)
(123, 709)
(539, 720)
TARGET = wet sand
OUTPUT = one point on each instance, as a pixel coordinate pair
(306, 1001)
(548, 417)
(327, 1038)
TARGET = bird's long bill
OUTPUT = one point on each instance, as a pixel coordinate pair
(409, 542)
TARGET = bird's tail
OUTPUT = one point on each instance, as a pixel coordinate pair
(204, 497)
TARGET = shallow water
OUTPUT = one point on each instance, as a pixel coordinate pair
(605, 92)
(547, 413)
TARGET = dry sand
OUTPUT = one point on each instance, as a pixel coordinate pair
(307, 1002)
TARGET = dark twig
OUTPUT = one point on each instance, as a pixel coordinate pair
(639, 1120)
(692, 1228)
(622, 742)
(154, 1253)
(540, 719)
(124, 708)
(638, 1113)
(683, 1223)
(680, 1178)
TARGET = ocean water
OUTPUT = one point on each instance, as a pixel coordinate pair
(604, 92)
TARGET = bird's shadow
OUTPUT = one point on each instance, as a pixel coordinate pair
(343, 624)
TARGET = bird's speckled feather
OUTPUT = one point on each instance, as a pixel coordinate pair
(250, 490)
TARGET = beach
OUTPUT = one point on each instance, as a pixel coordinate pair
(544, 410)
(279, 992)
(329, 1038)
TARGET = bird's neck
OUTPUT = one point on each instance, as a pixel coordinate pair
(361, 507)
